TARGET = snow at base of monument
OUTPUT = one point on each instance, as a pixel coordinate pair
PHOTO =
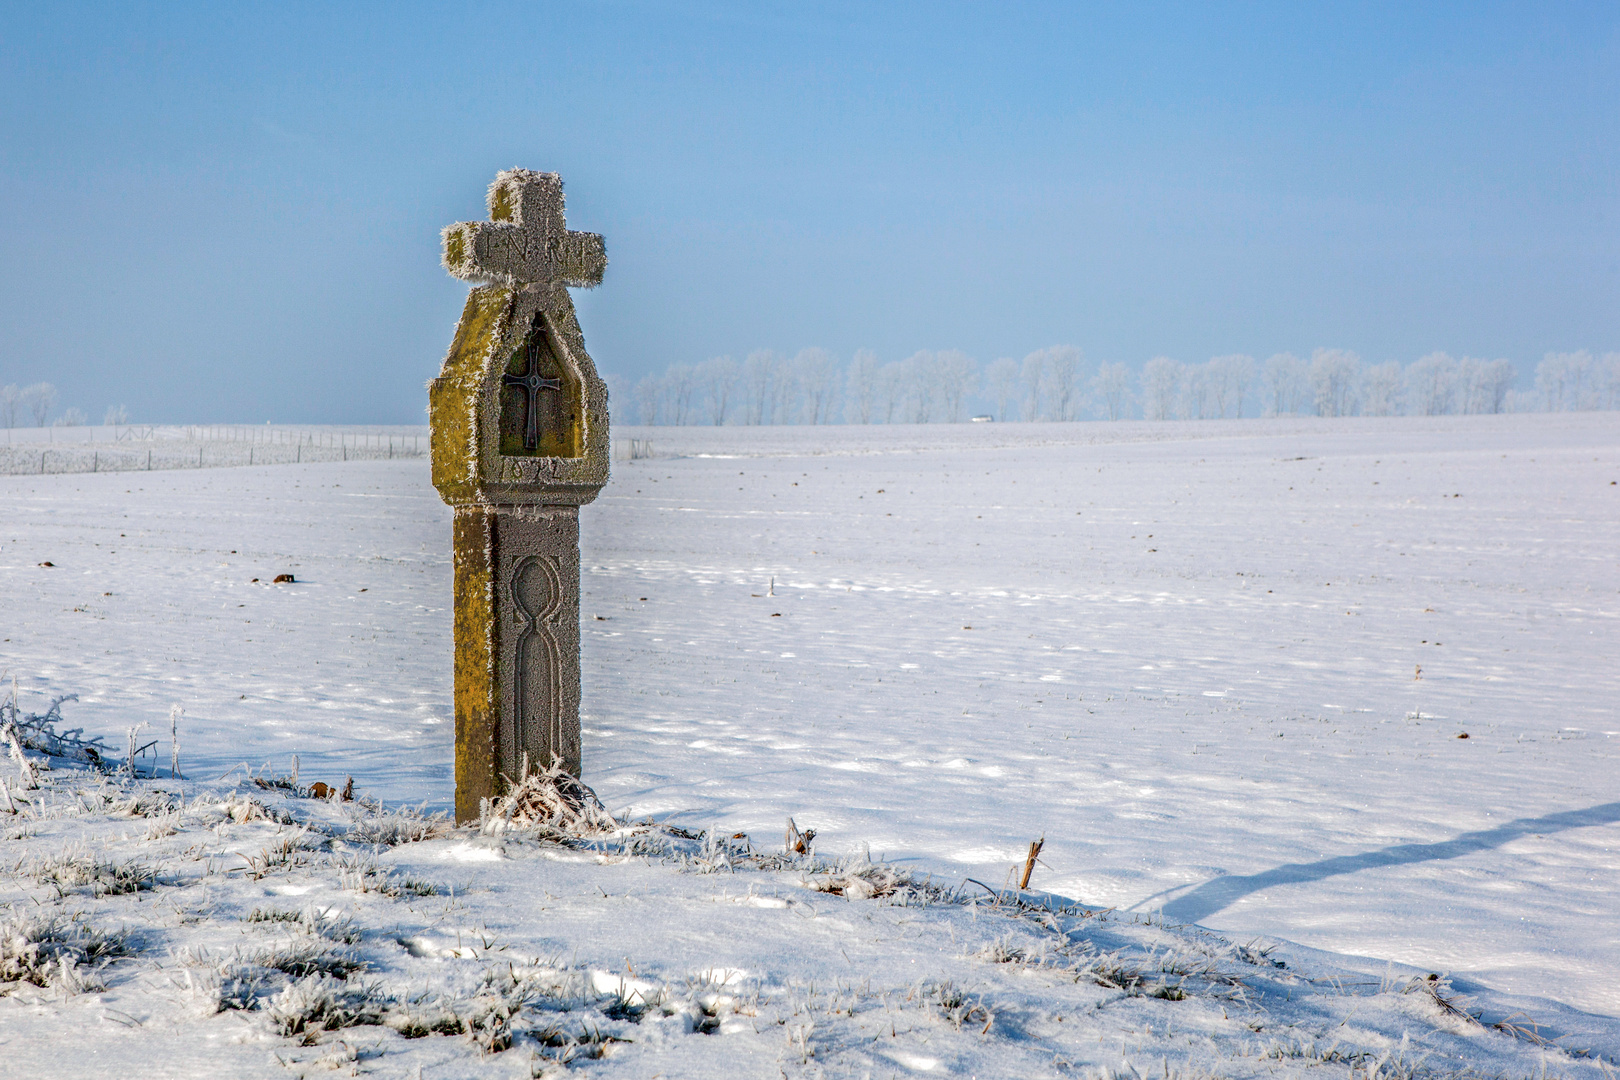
(1223, 667)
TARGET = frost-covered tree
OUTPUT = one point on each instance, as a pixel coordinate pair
(759, 378)
(717, 378)
(957, 376)
(1193, 399)
(785, 392)
(680, 388)
(115, 415)
(39, 399)
(817, 371)
(922, 377)
(1286, 383)
(1062, 382)
(1032, 373)
(617, 398)
(1229, 379)
(1381, 389)
(10, 402)
(861, 387)
(1564, 381)
(1161, 376)
(1335, 375)
(72, 417)
(892, 386)
(1111, 391)
(1482, 385)
(1611, 380)
(1431, 385)
(1001, 382)
(649, 395)
(1468, 386)
(1241, 373)
(1496, 381)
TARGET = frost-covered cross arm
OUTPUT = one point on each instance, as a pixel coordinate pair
(526, 239)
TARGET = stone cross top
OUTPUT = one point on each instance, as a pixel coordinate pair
(520, 441)
(525, 238)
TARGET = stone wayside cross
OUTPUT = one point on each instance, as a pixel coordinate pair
(519, 442)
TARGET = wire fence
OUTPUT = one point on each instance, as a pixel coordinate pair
(632, 449)
(138, 448)
(126, 448)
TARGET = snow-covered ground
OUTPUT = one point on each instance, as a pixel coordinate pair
(240, 928)
(1186, 654)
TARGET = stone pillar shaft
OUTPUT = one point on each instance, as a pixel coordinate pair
(516, 579)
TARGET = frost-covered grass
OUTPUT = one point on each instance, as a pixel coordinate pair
(50, 950)
(637, 949)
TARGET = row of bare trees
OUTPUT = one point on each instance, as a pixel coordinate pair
(813, 387)
(38, 401)
(810, 387)
(1055, 383)
(1570, 381)
(1333, 382)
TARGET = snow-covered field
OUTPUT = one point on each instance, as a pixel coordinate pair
(1186, 654)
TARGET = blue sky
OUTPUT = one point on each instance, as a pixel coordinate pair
(232, 212)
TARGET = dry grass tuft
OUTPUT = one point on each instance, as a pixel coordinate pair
(49, 951)
(320, 1003)
(486, 1018)
(861, 883)
(798, 842)
(552, 799)
(81, 870)
(312, 920)
(37, 732)
(959, 1009)
(391, 828)
(363, 875)
(304, 957)
(858, 878)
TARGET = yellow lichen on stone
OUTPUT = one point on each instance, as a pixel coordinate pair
(453, 396)
(500, 203)
(477, 710)
(455, 247)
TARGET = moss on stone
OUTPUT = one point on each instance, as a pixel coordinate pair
(501, 202)
(453, 396)
(477, 709)
(455, 247)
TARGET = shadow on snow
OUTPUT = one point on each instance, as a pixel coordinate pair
(1213, 895)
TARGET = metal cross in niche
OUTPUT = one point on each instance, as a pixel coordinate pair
(531, 382)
